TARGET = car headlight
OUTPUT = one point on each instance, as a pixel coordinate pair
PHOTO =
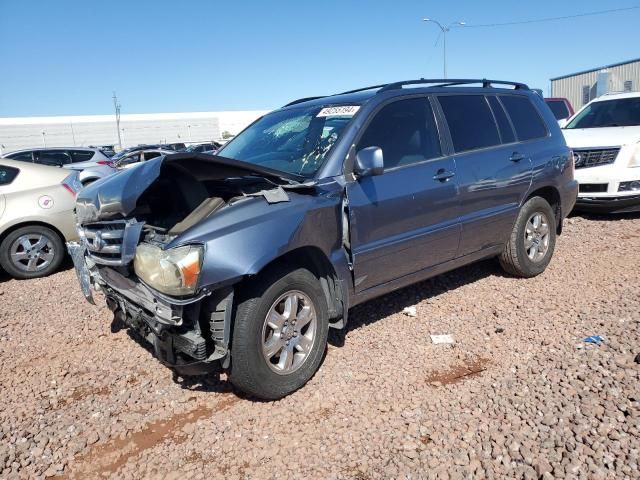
(174, 271)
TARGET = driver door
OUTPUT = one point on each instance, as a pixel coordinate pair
(406, 219)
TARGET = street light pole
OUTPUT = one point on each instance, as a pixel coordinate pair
(116, 106)
(444, 31)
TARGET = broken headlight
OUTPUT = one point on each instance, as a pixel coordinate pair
(174, 271)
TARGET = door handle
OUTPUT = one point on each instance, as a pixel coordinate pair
(443, 175)
(516, 157)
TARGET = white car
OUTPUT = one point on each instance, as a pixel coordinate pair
(605, 138)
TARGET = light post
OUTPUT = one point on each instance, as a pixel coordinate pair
(444, 30)
(189, 127)
(44, 141)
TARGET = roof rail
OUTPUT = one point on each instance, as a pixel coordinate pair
(300, 100)
(362, 89)
(449, 82)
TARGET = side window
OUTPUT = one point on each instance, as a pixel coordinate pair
(81, 155)
(470, 122)
(55, 158)
(22, 156)
(405, 131)
(506, 132)
(524, 116)
(7, 174)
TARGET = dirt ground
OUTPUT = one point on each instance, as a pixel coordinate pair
(519, 395)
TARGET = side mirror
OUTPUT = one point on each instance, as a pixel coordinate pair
(369, 162)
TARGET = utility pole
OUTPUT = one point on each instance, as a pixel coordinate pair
(116, 106)
(44, 140)
(444, 31)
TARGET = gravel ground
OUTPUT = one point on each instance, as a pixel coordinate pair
(519, 395)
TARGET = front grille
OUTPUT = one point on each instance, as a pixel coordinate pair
(593, 187)
(111, 243)
(595, 157)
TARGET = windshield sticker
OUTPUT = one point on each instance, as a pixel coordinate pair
(341, 111)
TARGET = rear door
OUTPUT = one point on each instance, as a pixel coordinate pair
(7, 176)
(406, 219)
(494, 172)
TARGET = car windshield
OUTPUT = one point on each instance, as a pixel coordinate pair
(559, 108)
(622, 112)
(295, 140)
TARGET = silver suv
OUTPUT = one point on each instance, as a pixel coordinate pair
(90, 162)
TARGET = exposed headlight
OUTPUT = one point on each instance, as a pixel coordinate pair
(174, 271)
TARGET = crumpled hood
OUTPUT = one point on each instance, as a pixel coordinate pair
(116, 196)
(601, 137)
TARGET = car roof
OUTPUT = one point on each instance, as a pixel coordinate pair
(616, 96)
(362, 97)
(37, 149)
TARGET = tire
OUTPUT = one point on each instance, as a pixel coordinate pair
(516, 258)
(251, 370)
(45, 257)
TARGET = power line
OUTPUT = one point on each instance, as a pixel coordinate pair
(552, 19)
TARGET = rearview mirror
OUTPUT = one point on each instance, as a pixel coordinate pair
(369, 162)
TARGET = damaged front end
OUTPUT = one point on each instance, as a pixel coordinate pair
(145, 239)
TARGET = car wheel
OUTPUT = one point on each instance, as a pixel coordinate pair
(31, 252)
(533, 240)
(279, 334)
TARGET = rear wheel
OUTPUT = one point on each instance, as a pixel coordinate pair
(31, 251)
(533, 240)
(280, 334)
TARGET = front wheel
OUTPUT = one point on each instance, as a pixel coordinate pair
(30, 252)
(532, 241)
(280, 334)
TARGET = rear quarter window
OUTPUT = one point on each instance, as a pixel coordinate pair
(7, 174)
(558, 108)
(470, 122)
(525, 118)
(81, 155)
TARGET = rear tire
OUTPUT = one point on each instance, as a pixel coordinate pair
(279, 334)
(532, 241)
(31, 252)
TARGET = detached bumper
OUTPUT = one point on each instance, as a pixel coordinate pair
(623, 204)
(190, 335)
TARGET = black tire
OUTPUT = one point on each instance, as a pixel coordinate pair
(250, 371)
(35, 230)
(514, 258)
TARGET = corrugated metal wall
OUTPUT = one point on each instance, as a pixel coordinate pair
(575, 88)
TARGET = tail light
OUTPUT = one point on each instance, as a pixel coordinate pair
(105, 162)
(72, 184)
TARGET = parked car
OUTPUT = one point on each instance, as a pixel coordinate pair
(108, 150)
(244, 260)
(560, 107)
(137, 156)
(137, 148)
(176, 147)
(605, 138)
(36, 217)
(203, 147)
(91, 163)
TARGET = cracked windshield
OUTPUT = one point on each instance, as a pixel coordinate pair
(295, 141)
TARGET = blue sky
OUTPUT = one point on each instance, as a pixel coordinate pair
(65, 57)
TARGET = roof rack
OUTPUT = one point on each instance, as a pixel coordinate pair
(362, 89)
(449, 82)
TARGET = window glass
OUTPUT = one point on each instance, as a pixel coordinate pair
(52, 157)
(524, 116)
(622, 112)
(558, 108)
(22, 156)
(470, 122)
(129, 159)
(7, 174)
(506, 132)
(81, 155)
(405, 131)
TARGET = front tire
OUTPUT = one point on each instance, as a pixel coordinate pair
(532, 241)
(31, 252)
(280, 334)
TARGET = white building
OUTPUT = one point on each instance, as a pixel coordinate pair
(582, 87)
(193, 127)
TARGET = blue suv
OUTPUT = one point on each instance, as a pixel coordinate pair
(243, 260)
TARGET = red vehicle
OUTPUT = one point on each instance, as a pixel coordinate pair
(561, 107)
